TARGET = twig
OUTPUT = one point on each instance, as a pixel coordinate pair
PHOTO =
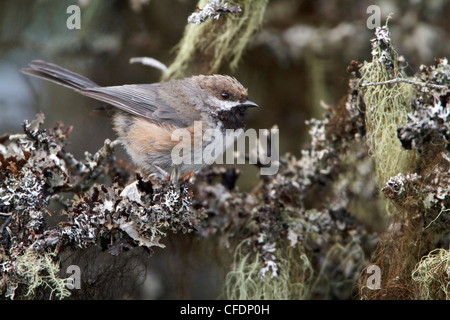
(17, 136)
(151, 62)
(6, 214)
(436, 217)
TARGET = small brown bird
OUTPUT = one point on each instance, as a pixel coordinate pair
(147, 114)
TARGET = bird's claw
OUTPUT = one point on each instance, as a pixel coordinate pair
(173, 177)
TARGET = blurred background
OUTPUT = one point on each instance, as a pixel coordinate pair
(294, 64)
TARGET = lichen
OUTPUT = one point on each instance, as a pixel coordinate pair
(417, 187)
(39, 270)
(386, 108)
(212, 10)
(102, 204)
(432, 274)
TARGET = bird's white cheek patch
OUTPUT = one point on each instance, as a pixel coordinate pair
(223, 104)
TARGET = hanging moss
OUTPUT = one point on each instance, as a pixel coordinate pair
(207, 46)
(432, 274)
(387, 106)
(291, 280)
(40, 271)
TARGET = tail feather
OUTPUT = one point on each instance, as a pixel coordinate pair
(54, 73)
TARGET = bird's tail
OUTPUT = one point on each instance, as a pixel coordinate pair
(54, 73)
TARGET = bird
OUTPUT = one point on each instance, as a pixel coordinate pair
(146, 115)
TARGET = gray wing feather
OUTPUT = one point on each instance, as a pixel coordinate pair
(141, 100)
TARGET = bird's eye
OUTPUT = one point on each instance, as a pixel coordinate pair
(225, 95)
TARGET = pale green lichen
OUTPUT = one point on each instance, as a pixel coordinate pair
(292, 279)
(432, 274)
(39, 270)
(387, 106)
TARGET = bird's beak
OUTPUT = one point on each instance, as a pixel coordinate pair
(249, 103)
